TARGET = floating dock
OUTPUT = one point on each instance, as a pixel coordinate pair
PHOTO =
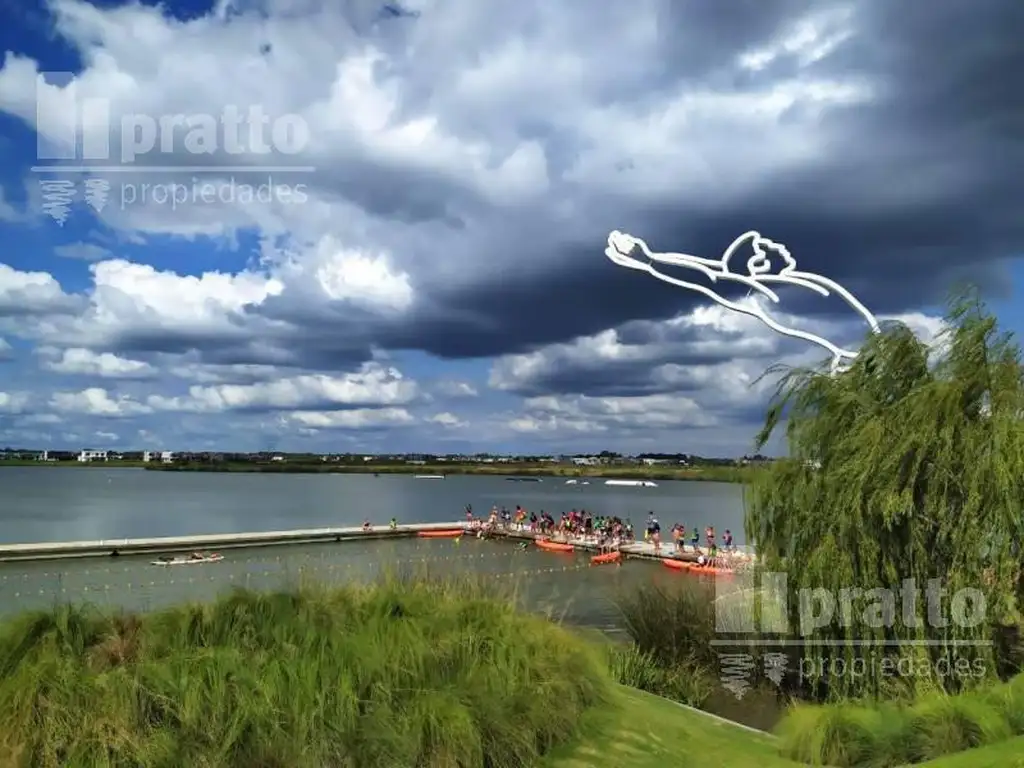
(54, 550)
(57, 550)
(639, 549)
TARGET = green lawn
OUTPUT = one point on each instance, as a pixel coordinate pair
(1008, 754)
(643, 731)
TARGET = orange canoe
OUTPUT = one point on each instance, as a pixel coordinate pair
(554, 546)
(610, 557)
(676, 565)
(711, 569)
(441, 534)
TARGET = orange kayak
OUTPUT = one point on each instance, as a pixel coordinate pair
(554, 546)
(711, 569)
(610, 557)
(676, 565)
(441, 534)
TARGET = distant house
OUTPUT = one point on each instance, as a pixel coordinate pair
(91, 455)
(165, 457)
(585, 461)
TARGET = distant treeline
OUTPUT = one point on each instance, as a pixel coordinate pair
(711, 473)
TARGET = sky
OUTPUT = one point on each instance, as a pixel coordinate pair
(350, 226)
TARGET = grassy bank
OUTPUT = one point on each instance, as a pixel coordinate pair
(403, 673)
(637, 730)
(710, 474)
(406, 672)
(886, 735)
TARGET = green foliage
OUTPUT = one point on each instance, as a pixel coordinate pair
(689, 684)
(673, 651)
(903, 467)
(403, 673)
(885, 735)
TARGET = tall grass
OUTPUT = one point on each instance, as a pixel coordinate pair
(684, 683)
(886, 735)
(400, 673)
(683, 628)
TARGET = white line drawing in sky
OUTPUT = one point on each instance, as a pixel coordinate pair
(771, 263)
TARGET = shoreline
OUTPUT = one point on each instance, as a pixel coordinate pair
(704, 474)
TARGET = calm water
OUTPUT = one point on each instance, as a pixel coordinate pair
(563, 584)
(64, 504)
(52, 504)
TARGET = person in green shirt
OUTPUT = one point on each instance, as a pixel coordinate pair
(695, 539)
(394, 524)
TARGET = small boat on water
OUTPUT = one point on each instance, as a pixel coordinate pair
(554, 546)
(429, 477)
(454, 533)
(680, 565)
(632, 483)
(609, 557)
(196, 558)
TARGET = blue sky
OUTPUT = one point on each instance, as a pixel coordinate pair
(427, 271)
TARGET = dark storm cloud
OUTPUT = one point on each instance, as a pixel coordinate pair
(921, 188)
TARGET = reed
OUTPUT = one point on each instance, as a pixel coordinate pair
(885, 734)
(407, 671)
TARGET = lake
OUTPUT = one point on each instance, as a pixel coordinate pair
(66, 504)
(54, 504)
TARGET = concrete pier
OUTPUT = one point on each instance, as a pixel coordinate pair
(54, 550)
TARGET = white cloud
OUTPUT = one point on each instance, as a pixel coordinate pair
(334, 274)
(13, 402)
(83, 252)
(457, 389)
(373, 385)
(810, 39)
(30, 293)
(96, 401)
(709, 334)
(41, 418)
(5, 349)
(361, 418)
(447, 420)
(582, 412)
(85, 362)
(468, 164)
(212, 373)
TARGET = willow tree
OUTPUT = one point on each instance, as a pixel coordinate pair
(907, 466)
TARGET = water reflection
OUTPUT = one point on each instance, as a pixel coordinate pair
(563, 585)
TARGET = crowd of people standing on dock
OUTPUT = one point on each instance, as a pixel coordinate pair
(607, 532)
